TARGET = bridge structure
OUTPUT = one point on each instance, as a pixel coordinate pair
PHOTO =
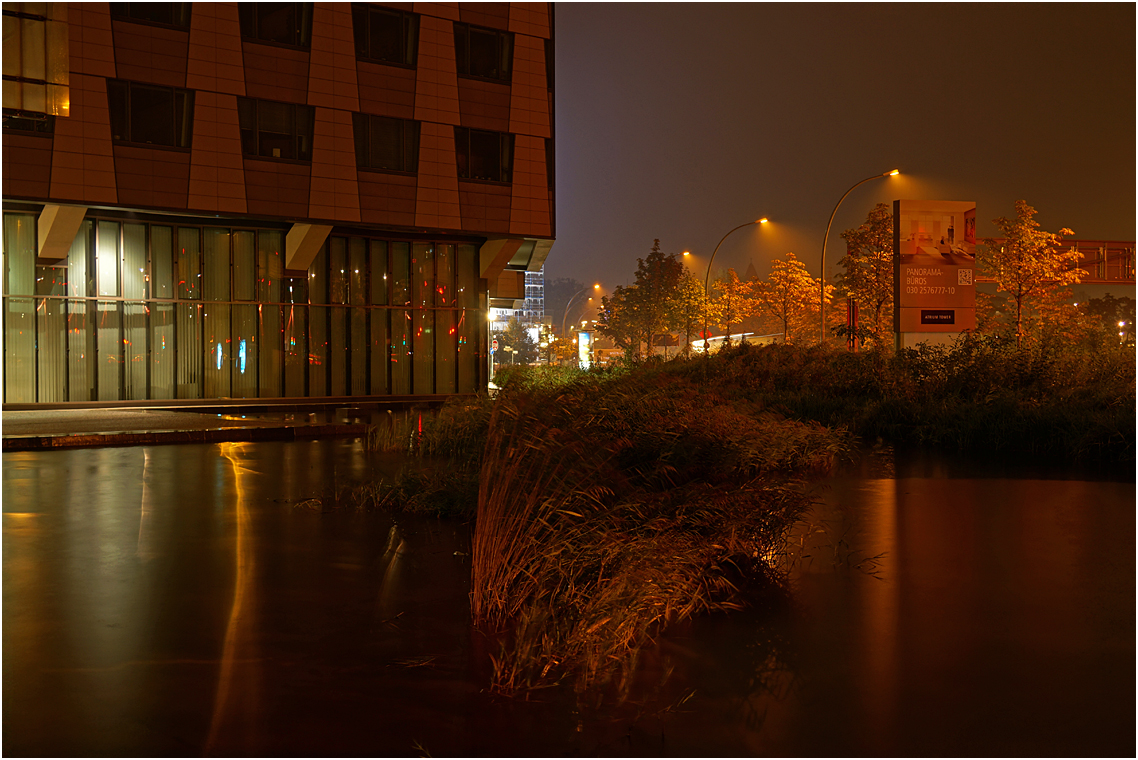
(1106, 262)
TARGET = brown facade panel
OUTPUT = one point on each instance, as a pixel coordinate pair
(276, 188)
(386, 90)
(152, 177)
(275, 73)
(27, 166)
(484, 105)
(493, 15)
(146, 53)
(332, 70)
(387, 198)
(215, 60)
(484, 207)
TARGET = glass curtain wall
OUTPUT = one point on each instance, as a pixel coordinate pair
(160, 311)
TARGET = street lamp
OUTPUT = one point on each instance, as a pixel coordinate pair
(822, 273)
(571, 300)
(707, 279)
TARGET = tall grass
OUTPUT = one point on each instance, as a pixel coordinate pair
(611, 506)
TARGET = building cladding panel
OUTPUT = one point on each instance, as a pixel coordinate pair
(211, 172)
(211, 59)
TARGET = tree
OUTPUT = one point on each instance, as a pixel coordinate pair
(688, 308)
(1028, 262)
(734, 301)
(516, 337)
(868, 269)
(617, 319)
(634, 315)
(657, 281)
(790, 295)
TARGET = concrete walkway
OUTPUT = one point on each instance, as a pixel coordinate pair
(46, 429)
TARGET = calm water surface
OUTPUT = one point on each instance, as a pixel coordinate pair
(186, 600)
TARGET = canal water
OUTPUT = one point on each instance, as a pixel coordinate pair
(202, 599)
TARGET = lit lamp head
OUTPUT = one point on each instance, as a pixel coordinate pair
(891, 173)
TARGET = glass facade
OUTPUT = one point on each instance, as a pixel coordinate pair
(142, 311)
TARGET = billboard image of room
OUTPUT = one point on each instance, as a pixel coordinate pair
(934, 266)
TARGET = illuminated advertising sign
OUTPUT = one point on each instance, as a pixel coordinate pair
(584, 355)
(934, 266)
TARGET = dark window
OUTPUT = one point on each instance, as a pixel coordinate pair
(483, 155)
(549, 158)
(275, 130)
(149, 115)
(283, 23)
(549, 49)
(387, 144)
(385, 34)
(37, 124)
(482, 52)
(171, 14)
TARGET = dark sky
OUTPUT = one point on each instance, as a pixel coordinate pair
(679, 121)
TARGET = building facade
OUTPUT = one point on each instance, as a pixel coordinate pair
(268, 200)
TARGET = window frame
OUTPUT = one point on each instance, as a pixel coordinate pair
(250, 21)
(14, 122)
(361, 30)
(362, 132)
(256, 104)
(463, 140)
(183, 127)
(462, 56)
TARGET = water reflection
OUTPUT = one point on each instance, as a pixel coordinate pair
(181, 600)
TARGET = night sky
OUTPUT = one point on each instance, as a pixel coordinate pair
(680, 121)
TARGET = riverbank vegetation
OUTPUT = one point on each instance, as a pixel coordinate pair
(610, 503)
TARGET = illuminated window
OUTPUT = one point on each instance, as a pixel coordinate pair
(483, 155)
(275, 130)
(481, 52)
(147, 114)
(282, 23)
(386, 144)
(385, 34)
(36, 60)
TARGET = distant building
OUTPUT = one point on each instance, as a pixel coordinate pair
(268, 200)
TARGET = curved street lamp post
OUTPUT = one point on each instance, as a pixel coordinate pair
(571, 300)
(707, 280)
(822, 272)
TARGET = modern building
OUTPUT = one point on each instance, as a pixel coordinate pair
(271, 201)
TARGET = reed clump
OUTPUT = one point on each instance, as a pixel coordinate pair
(611, 505)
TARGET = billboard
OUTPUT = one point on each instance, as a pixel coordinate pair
(584, 354)
(934, 266)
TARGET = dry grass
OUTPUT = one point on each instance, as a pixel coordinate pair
(610, 508)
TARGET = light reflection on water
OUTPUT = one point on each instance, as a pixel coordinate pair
(180, 600)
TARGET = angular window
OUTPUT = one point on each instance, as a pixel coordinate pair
(170, 14)
(483, 155)
(481, 52)
(44, 125)
(145, 114)
(275, 130)
(385, 34)
(386, 144)
(282, 23)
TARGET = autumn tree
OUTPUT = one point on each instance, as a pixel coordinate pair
(733, 301)
(867, 275)
(1028, 262)
(790, 295)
